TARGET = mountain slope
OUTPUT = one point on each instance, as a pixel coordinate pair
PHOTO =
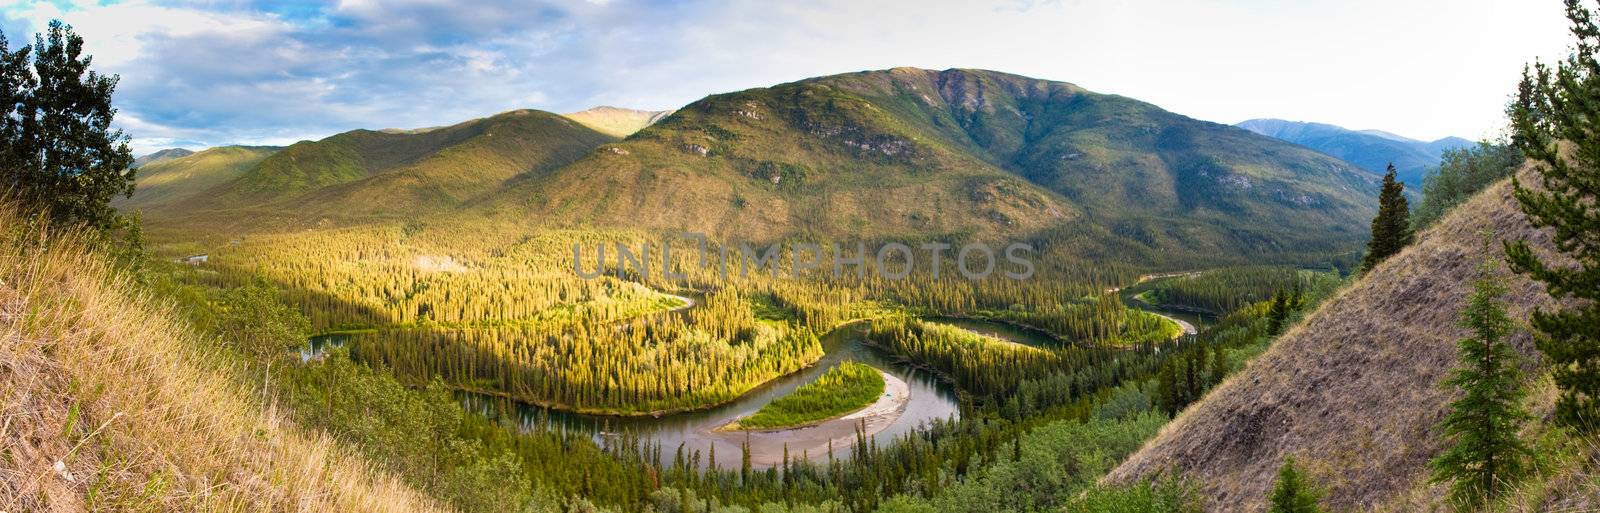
(366, 174)
(1353, 391)
(927, 153)
(162, 183)
(1373, 150)
(111, 404)
(617, 122)
(161, 155)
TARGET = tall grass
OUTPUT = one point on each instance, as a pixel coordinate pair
(107, 402)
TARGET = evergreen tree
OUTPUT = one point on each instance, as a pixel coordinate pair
(1563, 105)
(1482, 425)
(1219, 364)
(1278, 313)
(1391, 230)
(1292, 493)
(1167, 391)
(58, 152)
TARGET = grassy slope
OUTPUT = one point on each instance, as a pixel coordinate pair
(111, 404)
(167, 183)
(364, 175)
(161, 156)
(617, 122)
(932, 153)
(843, 389)
(1352, 392)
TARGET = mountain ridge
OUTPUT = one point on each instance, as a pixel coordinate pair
(874, 153)
(376, 174)
(896, 153)
(160, 156)
(1373, 150)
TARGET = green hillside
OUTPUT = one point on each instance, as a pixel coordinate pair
(160, 156)
(165, 182)
(364, 174)
(959, 152)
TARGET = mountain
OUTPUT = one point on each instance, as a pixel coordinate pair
(617, 122)
(1448, 143)
(1353, 392)
(923, 153)
(1373, 150)
(162, 155)
(365, 174)
(166, 182)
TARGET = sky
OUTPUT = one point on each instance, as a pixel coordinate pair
(197, 74)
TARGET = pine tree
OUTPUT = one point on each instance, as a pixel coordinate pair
(1482, 425)
(1564, 105)
(1391, 229)
(1167, 390)
(58, 152)
(1278, 313)
(1292, 493)
(1219, 364)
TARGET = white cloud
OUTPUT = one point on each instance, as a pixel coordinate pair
(234, 73)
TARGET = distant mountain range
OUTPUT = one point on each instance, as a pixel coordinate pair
(871, 155)
(1373, 150)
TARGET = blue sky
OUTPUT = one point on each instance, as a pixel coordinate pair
(197, 74)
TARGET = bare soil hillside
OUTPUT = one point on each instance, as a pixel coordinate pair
(1352, 392)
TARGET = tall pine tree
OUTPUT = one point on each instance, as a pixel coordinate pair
(1391, 230)
(58, 152)
(1278, 313)
(1563, 105)
(1482, 425)
(1292, 493)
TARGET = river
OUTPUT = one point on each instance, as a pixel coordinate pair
(929, 399)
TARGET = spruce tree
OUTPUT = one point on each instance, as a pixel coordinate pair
(1292, 493)
(1482, 425)
(1563, 105)
(1278, 313)
(1391, 229)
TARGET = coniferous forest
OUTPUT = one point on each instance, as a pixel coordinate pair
(899, 290)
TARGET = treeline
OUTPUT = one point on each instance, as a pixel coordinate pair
(1222, 291)
(1194, 368)
(1462, 173)
(655, 364)
(1102, 320)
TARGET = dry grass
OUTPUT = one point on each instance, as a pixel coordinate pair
(108, 403)
(1565, 478)
(1353, 391)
